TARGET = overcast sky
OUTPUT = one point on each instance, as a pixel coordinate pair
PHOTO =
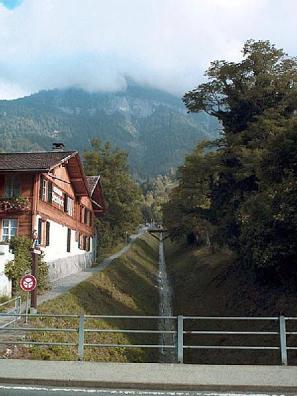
(94, 44)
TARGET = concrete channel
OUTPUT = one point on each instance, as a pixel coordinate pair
(168, 355)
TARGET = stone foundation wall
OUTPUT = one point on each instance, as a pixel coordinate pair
(68, 265)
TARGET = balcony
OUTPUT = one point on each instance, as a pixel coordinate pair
(15, 205)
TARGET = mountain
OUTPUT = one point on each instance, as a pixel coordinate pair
(152, 125)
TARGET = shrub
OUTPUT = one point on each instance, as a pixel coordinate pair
(15, 269)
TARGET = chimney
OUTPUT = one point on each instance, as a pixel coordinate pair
(58, 147)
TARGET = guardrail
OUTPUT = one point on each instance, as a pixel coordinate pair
(180, 335)
(16, 309)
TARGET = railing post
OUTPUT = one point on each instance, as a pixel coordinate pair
(18, 304)
(180, 339)
(81, 337)
(283, 340)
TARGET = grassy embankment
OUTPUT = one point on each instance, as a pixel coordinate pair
(207, 284)
(126, 287)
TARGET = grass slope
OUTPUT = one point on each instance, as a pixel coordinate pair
(212, 285)
(126, 287)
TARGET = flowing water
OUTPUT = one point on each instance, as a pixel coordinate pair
(167, 354)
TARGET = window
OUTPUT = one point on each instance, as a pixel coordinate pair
(43, 189)
(68, 240)
(68, 205)
(82, 214)
(47, 233)
(83, 242)
(9, 229)
(86, 216)
(12, 186)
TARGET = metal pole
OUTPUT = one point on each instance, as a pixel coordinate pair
(27, 307)
(34, 292)
(180, 339)
(18, 304)
(283, 340)
(81, 337)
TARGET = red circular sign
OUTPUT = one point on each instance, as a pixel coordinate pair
(28, 283)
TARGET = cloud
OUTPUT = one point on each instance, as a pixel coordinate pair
(94, 44)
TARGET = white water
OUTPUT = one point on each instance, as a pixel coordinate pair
(165, 309)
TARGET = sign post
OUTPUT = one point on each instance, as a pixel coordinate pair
(35, 252)
(28, 284)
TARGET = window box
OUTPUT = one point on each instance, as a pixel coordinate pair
(15, 204)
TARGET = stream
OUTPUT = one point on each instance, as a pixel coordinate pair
(167, 354)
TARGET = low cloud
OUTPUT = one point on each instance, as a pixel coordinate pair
(94, 44)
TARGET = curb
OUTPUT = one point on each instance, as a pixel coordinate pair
(147, 386)
(150, 376)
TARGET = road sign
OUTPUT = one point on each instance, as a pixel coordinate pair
(28, 283)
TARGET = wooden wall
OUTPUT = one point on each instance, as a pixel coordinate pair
(24, 218)
(47, 210)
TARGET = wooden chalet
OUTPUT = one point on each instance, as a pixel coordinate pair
(47, 197)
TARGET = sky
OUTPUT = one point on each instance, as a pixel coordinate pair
(96, 44)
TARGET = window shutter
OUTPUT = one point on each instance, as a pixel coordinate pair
(65, 203)
(50, 192)
(68, 240)
(47, 235)
(40, 187)
(39, 231)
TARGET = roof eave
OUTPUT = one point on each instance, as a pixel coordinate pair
(39, 170)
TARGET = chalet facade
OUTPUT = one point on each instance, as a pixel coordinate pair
(47, 197)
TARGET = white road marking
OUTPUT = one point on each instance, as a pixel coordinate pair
(132, 392)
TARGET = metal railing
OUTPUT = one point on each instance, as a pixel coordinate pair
(180, 334)
(13, 313)
(280, 324)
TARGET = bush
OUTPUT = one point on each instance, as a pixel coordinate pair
(15, 269)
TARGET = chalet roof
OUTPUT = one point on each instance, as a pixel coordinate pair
(42, 162)
(45, 161)
(96, 194)
(91, 183)
(37, 161)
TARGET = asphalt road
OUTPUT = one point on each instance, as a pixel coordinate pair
(26, 390)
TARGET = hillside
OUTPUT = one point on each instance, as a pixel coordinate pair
(152, 125)
(207, 284)
(126, 287)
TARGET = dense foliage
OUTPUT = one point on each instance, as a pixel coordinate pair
(244, 193)
(21, 265)
(122, 195)
(156, 192)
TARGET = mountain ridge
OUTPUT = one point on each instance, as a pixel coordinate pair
(153, 126)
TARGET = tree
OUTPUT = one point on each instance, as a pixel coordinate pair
(121, 193)
(251, 183)
(188, 211)
(237, 93)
